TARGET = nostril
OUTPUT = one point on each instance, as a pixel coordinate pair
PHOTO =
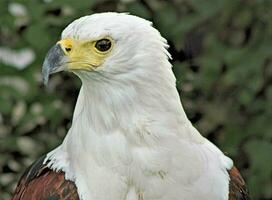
(68, 49)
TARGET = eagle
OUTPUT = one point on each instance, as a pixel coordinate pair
(130, 138)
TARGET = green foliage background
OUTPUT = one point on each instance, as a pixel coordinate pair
(222, 58)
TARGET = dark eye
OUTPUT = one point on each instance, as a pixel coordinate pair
(103, 45)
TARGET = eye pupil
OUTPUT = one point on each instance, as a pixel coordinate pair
(103, 45)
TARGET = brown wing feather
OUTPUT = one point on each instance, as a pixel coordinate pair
(237, 187)
(41, 183)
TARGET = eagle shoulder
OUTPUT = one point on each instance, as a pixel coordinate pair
(40, 182)
(237, 186)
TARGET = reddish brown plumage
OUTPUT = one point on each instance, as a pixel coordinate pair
(41, 183)
(237, 186)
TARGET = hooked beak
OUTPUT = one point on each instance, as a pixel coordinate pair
(54, 62)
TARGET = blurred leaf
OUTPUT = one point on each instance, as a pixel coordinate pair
(222, 60)
(260, 156)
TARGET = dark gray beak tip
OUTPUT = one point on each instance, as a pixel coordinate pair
(45, 71)
(52, 62)
(45, 77)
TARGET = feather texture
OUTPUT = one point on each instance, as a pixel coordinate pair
(130, 138)
(40, 182)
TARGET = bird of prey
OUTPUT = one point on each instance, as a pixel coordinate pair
(130, 138)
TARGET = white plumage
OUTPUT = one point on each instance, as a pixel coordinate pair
(130, 138)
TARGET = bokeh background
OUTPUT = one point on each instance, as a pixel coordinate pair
(222, 58)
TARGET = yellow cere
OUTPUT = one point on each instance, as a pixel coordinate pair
(83, 55)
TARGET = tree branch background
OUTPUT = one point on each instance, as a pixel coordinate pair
(222, 58)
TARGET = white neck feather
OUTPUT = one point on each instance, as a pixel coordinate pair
(131, 129)
(108, 103)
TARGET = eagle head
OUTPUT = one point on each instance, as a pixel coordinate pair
(108, 45)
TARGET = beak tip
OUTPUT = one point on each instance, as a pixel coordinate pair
(45, 81)
(52, 63)
(45, 75)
